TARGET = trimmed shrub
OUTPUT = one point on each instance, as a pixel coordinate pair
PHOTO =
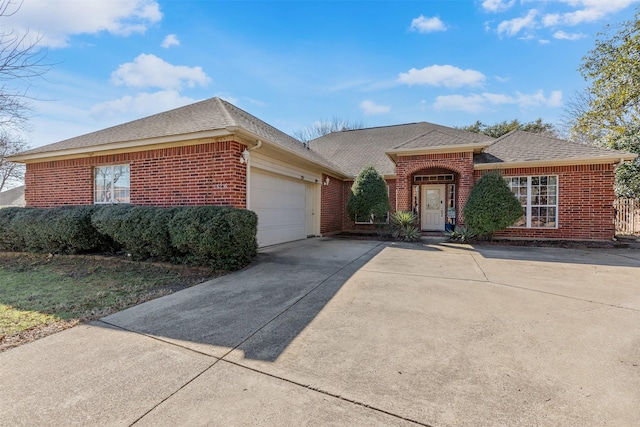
(10, 240)
(369, 196)
(222, 238)
(62, 230)
(141, 231)
(491, 206)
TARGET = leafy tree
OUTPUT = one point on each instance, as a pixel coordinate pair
(628, 174)
(612, 69)
(498, 129)
(324, 127)
(491, 206)
(369, 197)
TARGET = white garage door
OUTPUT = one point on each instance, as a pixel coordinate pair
(281, 206)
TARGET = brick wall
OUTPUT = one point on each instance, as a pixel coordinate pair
(459, 163)
(204, 174)
(585, 203)
(332, 205)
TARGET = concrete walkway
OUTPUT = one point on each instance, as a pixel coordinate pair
(337, 332)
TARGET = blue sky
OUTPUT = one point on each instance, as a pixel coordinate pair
(291, 63)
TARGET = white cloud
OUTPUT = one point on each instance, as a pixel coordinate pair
(497, 5)
(586, 11)
(442, 75)
(140, 105)
(551, 20)
(544, 41)
(477, 103)
(370, 108)
(170, 40)
(514, 26)
(470, 104)
(561, 35)
(150, 71)
(57, 21)
(423, 24)
(593, 10)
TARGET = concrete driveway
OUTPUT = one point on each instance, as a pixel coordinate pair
(336, 332)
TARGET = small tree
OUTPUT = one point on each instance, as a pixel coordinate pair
(369, 198)
(491, 206)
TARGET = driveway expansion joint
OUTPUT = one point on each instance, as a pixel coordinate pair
(327, 393)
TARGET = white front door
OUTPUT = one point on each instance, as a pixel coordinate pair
(433, 207)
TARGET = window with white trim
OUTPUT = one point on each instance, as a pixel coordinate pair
(111, 184)
(539, 198)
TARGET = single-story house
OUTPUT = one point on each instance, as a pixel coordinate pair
(13, 197)
(213, 152)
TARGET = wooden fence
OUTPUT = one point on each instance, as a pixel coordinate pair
(627, 216)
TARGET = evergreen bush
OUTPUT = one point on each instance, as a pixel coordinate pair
(491, 206)
(220, 237)
(369, 197)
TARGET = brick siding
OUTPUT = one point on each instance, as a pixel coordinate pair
(585, 203)
(204, 174)
(332, 205)
(460, 164)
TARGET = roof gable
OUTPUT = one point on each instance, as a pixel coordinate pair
(13, 197)
(353, 149)
(187, 122)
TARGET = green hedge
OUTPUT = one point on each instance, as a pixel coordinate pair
(223, 238)
(141, 231)
(65, 230)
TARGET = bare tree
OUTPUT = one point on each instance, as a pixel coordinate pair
(574, 109)
(21, 61)
(10, 173)
(324, 127)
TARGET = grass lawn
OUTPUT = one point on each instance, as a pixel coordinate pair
(41, 294)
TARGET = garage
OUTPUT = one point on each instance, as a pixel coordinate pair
(285, 207)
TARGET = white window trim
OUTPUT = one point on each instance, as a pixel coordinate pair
(529, 207)
(95, 168)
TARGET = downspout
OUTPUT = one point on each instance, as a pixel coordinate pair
(248, 174)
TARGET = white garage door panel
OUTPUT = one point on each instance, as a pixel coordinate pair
(280, 205)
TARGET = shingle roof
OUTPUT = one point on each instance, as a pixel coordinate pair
(13, 197)
(353, 149)
(210, 114)
(521, 146)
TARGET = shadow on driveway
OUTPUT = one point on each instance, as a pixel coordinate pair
(218, 316)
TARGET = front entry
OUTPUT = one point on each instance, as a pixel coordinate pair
(433, 207)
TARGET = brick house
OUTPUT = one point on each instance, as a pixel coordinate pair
(212, 152)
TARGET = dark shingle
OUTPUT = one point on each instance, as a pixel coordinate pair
(521, 146)
(353, 149)
(210, 114)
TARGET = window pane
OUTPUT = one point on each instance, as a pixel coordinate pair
(112, 184)
(103, 185)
